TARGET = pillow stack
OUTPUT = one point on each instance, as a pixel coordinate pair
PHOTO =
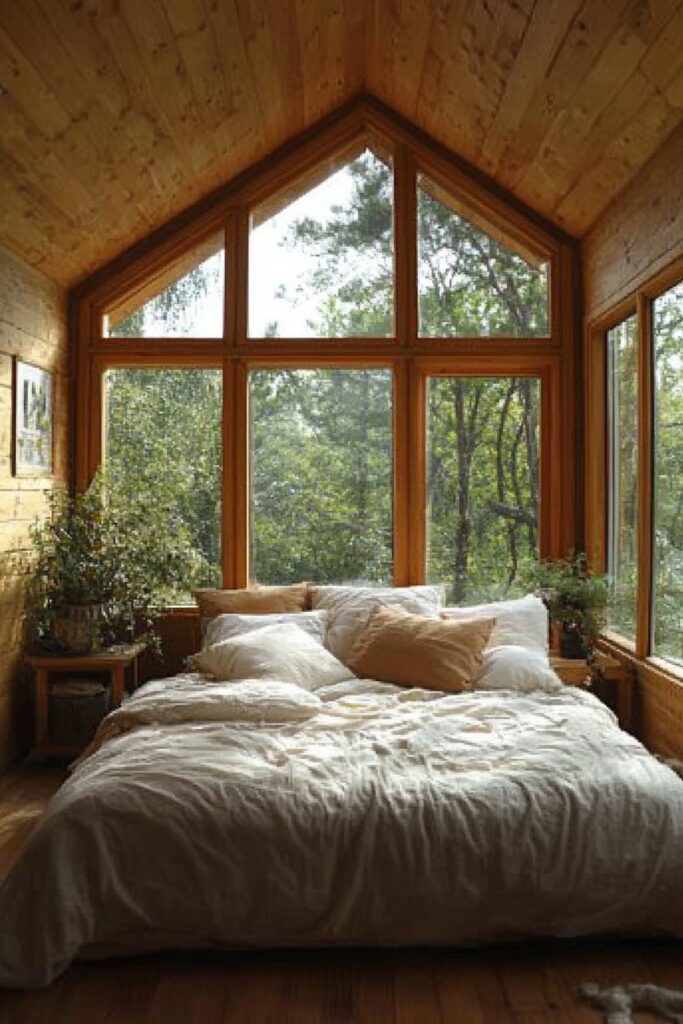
(398, 635)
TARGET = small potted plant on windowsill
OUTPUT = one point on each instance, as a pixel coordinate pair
(102, 568)
(576, 599)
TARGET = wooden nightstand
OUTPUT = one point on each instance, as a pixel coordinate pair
(607, 677)
(110, 665)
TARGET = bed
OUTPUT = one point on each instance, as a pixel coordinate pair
(234, 815)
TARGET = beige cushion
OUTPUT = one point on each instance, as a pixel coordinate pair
(412, 650)
(252, 600)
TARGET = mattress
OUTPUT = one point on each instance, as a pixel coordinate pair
(386, 817)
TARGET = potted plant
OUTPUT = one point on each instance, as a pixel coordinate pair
(576, 599)
(103, 566)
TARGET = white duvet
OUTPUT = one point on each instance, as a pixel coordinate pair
(378, 817)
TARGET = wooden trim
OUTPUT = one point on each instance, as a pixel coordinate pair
(241, 477)
(595, 459)
(228, 475)
(645, 470)
(241, 284)
(405, 246)
(417, 473)
(401, 513)
(231, 289)
(365, 116)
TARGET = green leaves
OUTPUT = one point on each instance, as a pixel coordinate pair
(575, 596)
(120, 548)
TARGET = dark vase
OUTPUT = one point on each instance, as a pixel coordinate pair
(572, 644)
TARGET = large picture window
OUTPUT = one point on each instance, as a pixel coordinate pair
(483, 484)
(470, 281)
(321, 475)
(622, 562)
(185, 300)
(162, 436)
(322, 266)
(332, 370)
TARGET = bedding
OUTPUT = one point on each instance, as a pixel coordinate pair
(513, 667)
(281, 651)
(255, 600)
(397, 647)
(348, 609)
(223, 627)
(392, 816)
(522, 621)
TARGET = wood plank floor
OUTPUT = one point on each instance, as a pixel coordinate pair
(531, 984)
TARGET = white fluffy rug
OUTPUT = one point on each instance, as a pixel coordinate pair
(620, 1002)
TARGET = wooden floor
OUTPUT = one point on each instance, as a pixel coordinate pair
(530, 984)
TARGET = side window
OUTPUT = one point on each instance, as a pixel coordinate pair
(622, 510)
(162, 434)
(667, 611)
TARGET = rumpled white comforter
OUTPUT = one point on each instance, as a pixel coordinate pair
(389, 817)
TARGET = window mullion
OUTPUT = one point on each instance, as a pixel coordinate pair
(645, 470)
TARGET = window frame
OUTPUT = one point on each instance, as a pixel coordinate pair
(639, 302)
(411, 357)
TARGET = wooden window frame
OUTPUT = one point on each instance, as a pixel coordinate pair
(411, 357)
(639, 302)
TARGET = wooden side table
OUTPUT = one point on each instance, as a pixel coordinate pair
(113, 663)
(604, 673)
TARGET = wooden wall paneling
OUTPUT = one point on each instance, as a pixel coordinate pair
(572, 139)
(121, 116)
(33, 327)
(639, 236)
(547, 29)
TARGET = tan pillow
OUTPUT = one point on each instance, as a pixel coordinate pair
(413, 650)
(252, 600)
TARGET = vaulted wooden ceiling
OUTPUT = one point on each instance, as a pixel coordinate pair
(117, 114)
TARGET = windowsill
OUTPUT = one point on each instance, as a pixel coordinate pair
(619, 645)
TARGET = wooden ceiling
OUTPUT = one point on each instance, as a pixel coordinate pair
(117, 114)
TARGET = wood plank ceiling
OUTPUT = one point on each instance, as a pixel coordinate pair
(117, 114)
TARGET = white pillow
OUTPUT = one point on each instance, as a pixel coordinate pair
(522, 621)
(283, 652)
(349, 608)
(511, 667)
(223, 627)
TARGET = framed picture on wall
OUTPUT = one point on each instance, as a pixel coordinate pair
(33, 418)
